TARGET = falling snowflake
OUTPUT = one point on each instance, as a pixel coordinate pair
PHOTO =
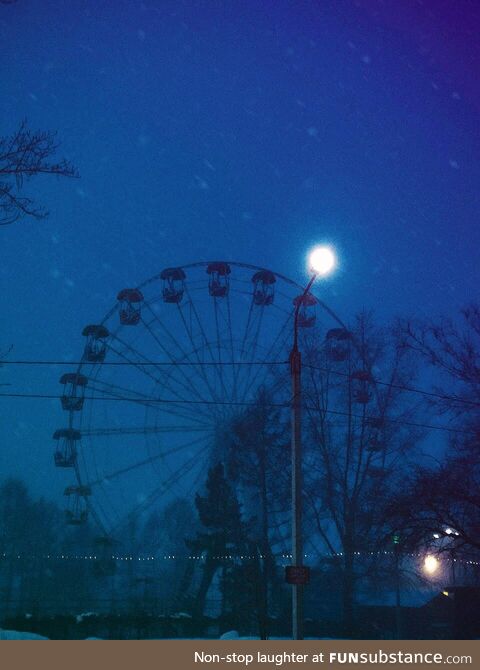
(202, 184)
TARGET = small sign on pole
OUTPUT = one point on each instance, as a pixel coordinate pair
(297, 574)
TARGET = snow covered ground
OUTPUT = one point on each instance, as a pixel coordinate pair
(234, 635)
(17, 635)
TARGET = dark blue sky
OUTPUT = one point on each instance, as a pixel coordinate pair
(238, 130)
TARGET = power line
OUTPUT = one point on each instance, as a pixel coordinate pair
(146, 363)
(229, 403)
(400, 387)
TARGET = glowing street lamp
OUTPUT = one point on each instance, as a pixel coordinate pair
(431, 565)
(321, 262)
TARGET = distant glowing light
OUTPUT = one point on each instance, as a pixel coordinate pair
(431, 565)
(322, 260)
(451, 531)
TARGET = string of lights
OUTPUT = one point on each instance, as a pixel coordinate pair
(227, 557)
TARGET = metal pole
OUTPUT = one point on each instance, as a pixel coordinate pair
(297, 548)
(398, 611)
(297, 480)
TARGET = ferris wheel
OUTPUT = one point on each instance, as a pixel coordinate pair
(163, 374)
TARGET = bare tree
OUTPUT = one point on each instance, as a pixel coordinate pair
(445, 497)
(453, 350)
(23, 155)
(355, 456)
(258, 464)
(440, 506)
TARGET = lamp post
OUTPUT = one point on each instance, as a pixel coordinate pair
(321, 261)
(398, 604)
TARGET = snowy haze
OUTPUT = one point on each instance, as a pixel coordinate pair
(239, 131)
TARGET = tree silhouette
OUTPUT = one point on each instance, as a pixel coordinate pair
(452, 349)
(15, 510)
(445, 496)
(165, 531)
(259, 464)
(223, 535)
(23, 155)
(440, 506)
(355, 445)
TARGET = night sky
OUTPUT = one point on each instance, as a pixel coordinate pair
(244, 131)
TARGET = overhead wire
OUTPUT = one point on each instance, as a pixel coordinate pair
(156, 401)
(380, 382)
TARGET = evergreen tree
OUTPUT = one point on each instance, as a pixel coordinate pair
(223, 536)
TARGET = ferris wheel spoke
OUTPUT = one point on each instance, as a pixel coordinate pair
(167, 332)
(206, 342)
(140, 430)
(163, 381)
(219, 347)
(91, 509)
(247, 327)
(135, 364)
(173, 408)
(232, 350)
(187, 467)
(187, 384)
(146, 461)
(169, 408)
(200, 365)
(165, 378)
(260, 377)
(96, 516)
(114, 390)
(196, 482)
(253, 345)
(277, 347)
(162, 488)
(184, 354)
